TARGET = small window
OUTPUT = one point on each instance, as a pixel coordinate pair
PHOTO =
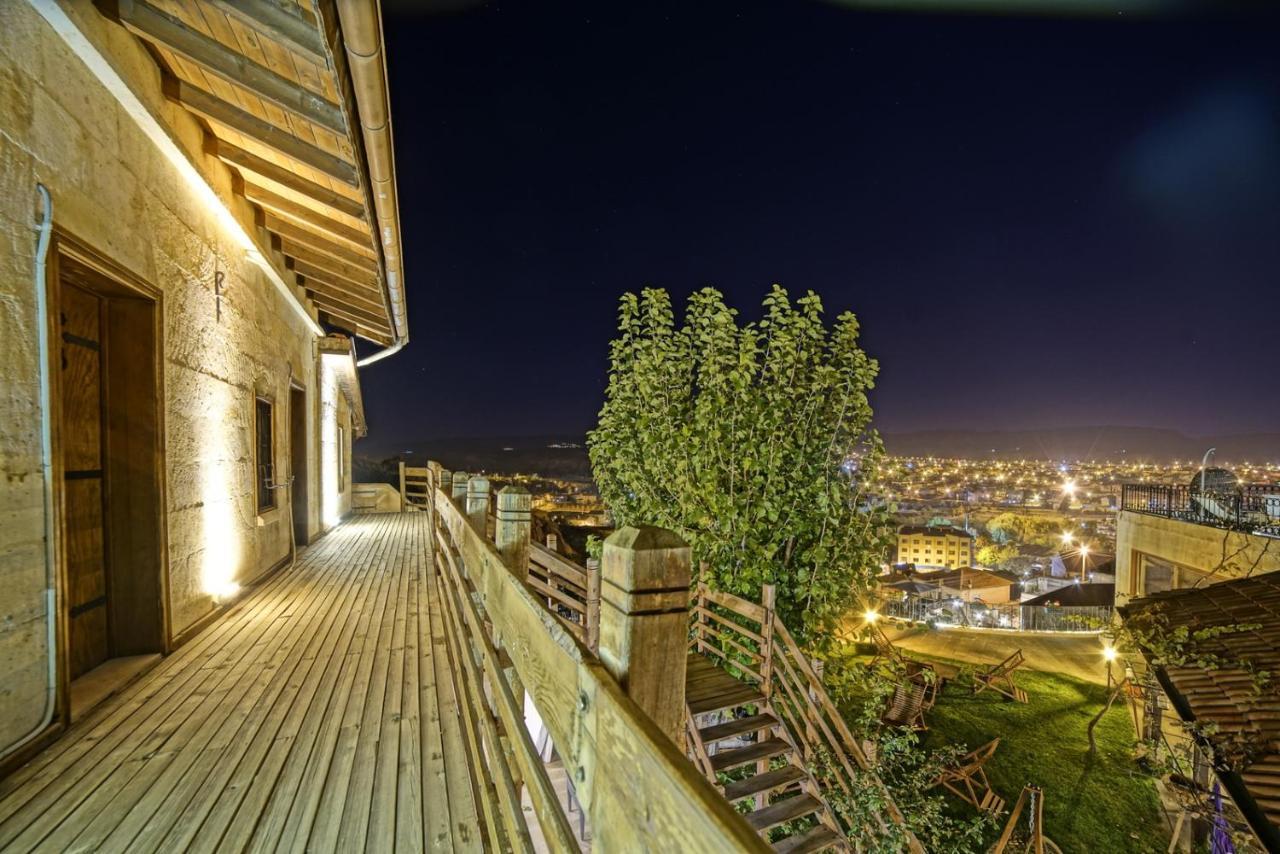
(265, 454)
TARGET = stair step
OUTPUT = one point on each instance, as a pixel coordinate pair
(765, 782)
(729, 729)
(767, 749)
(729, 697)
(787, 810)
(814, 839)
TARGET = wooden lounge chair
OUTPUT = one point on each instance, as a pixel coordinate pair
(885, 650)
(1000, 678)
(907, 706)
(968, 780)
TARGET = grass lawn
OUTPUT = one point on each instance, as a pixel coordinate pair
(1099, 805)
(1103, 804)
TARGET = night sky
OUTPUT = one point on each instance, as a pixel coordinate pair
(1039, 222)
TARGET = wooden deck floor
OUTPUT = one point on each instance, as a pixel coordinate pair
(319, 714)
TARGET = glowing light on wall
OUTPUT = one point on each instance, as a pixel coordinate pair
(220, 558)
(330, 507)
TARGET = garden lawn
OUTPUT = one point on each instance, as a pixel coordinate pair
(1103, 804)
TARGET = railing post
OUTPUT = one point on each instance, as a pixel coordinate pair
(553, 543)
(592, 617)
(402, 492)
(644, 620)
(511, 535)
(477, 491)
(768, 597)
(459, 490)
(446, 481)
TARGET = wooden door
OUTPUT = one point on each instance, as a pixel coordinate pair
(82, 460)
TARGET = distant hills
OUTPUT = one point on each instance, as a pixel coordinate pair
(1084, 443)
(566, 456)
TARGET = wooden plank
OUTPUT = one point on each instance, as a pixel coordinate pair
(306, 217)
(319, 241)
(355, 268)
(262, 168)
(343, 307)
(459, 783)
(56, 787)
(137, 801)
(283, 22)
(145, 20)
(333, 275)
(228, 114)
(187, 800)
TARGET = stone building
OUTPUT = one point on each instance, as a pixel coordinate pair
(198, 222)
(942, 547)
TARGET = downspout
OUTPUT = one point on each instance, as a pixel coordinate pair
(361, 23)
(44, 227)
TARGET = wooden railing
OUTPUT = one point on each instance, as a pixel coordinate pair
(750, 641)
(571, 592)
(638, 790)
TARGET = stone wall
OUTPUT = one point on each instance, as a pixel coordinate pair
(1197, 547)
(115, 192)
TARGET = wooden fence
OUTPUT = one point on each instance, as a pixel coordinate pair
(637, 787)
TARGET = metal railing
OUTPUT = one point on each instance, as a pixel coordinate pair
(1252, 508)
(1012, 616)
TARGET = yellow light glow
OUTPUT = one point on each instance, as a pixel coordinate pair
(1067, 538)
(1109, 653)
(870, 616)
(220, 557)
(330, 494)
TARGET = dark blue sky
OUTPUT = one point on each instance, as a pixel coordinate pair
(1039, 222)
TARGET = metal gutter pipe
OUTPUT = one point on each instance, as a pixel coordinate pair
(361, 22)
(44, 227)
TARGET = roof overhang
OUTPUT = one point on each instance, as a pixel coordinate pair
(293, 99)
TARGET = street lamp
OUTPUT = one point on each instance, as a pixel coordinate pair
(1084, 563)
(1066, 538)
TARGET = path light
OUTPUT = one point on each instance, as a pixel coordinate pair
(1109, 655)
(1067, 538)
(870, 616)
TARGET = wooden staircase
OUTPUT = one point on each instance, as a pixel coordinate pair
(738, 735)
(761, 727)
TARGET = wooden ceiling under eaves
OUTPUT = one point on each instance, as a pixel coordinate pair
(268, 78)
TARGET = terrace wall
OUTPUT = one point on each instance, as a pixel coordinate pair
(115, 192)
(1188, 544)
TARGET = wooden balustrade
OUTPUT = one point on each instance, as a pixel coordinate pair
(637, 788)
(750, 641)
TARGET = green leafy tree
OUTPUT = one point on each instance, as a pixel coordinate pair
(752, 441)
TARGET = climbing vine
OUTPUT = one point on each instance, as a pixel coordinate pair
(753, 442)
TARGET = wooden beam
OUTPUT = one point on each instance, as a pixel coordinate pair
(354, 327)
(277, 139)
(305, 216)
(286, 230)
(352, 315)
(348, 266)
(344, 298)
(249, 162)
(324, 271)
(281, 21)
(369, 293)
(152, 24)
(322, 296)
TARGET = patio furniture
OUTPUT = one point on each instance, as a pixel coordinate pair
(1000, 678)
(907, 706)
(968, 780)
